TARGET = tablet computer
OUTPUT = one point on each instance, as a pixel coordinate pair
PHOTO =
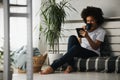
(78, 31)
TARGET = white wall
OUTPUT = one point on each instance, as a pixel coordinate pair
(36, 21)
(109, 7)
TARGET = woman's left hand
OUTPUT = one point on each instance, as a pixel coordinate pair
(84, 33)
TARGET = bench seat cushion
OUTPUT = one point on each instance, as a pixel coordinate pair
(101, 64)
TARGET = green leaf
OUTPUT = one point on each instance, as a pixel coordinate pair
(54, 15)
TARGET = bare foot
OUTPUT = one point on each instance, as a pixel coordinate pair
(48, 70)
(68, 69)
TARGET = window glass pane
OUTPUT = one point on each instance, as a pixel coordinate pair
(18, 9)
(18, 32)
(1, 29)
(24, 2)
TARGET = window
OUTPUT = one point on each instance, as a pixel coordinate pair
(18, 26)
(1, 27)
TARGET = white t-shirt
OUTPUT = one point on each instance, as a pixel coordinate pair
(97, 34)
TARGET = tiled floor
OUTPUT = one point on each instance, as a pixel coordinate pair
(71, 76)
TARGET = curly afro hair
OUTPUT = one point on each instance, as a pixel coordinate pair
(95, 12)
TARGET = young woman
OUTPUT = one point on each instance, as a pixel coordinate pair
(88, 46)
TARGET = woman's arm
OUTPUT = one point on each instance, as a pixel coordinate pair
(94, 44)
(79, 40)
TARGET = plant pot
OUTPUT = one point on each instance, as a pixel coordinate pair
(52, 57)
(1, 75)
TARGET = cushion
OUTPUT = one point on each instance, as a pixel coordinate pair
(100, 64)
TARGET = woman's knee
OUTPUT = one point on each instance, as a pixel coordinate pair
(72, 37)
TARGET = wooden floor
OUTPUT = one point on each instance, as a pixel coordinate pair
(71, 76)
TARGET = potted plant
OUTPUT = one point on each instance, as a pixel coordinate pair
(2, 66)
(53, 14)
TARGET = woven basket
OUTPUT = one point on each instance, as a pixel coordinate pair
(38, 62)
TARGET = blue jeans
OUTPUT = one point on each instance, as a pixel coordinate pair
(74, 50)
